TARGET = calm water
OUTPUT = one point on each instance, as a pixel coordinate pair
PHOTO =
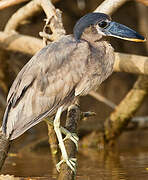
(127, 161)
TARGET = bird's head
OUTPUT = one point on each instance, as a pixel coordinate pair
(101, 25)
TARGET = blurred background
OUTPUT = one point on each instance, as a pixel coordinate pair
(30, 153)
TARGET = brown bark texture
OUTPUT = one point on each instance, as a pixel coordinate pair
(73, 117)
(119, 119)
(4, 148)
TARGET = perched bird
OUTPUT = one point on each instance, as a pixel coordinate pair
(61, 72)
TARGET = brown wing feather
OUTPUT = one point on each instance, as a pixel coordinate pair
(44, 83)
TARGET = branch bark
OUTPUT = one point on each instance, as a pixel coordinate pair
(102, 99)
(73, 117)
(109, 6)
(118, 120)
(144, 2)
(20, 43)
(129, 63)
(27, 11)
(54, 147)
(6, 3)
(4, 148)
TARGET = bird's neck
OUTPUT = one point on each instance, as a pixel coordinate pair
(91, 35)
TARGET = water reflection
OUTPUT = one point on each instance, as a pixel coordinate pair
(127, 161)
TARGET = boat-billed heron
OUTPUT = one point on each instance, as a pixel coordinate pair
(61, 72)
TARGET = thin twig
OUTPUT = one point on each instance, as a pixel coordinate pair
(140, 122)
(102, 99)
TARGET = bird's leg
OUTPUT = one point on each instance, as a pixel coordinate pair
(73, 116)
(69, 162)
(73, 137)
(67, 134)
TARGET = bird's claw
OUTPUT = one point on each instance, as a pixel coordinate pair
(70, 163)
(73, 138)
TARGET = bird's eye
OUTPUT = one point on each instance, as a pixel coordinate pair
(102, 24)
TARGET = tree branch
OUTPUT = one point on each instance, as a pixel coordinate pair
(27, 11)
(123, 113)
(6, 3)
(20, 43)
(102, 99)
(4, 148)
(54, 145)
(131, 63)
(53, 22)
(144, 2)
(73, 117)
(26, 44)
(110, 6)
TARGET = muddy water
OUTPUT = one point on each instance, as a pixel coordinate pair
(127, 161)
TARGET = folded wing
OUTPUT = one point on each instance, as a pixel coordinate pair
(45, 83)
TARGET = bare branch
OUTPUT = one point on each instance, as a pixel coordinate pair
(6, 3)
(144, 2)
(123, 113)
(4, 148)
(102, 99)
(140, 122)
(33, 7)
(48, 8)
(26, 44)
(143, 23)
(54, 147)
(131, 63)
(53, 21)
(73, 117)
(21, 43)
(110, 6)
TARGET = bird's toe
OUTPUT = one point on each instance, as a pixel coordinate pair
(74, 138)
